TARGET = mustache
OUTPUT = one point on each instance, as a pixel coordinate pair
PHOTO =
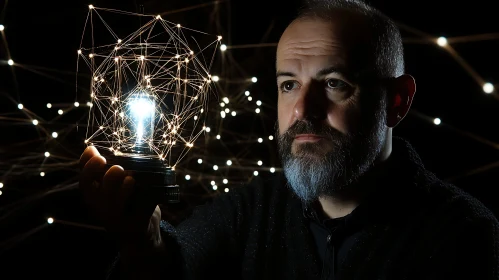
(304, 127)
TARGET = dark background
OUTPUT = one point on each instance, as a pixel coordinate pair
(42, 38)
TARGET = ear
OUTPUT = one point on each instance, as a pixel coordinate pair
(400, 94)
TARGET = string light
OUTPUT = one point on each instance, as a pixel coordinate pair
(187, 177)
(91, 7)
(233, 113)
(60, 112)
(260, 140)
(488, 88)
(229, 162)
(442, 41)
(10, 62)
(225, 181)
(200, 161)
(437, 121)
(54, 134)
(258, 103)
(215, 167)
(215, 187)
(259, 162)
(42, 174)
(226, 189)
(218, 137)
(215, 78)
(20, 106)
(1, 185)
(50, 221)
(2, 28)
(271, 137)
(35, 122)
(272, 170)
(255, 173)
(254, 79)
(49, 105)
(223, 47)
(247, 93)
(47, 154)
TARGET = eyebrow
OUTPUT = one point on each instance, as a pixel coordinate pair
(322, 72)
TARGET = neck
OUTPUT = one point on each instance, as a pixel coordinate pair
(340, 205)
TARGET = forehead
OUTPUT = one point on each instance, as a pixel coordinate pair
(322, 43)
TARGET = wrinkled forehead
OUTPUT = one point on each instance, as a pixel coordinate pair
(341, 42)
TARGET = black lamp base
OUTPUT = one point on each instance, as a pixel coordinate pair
(152, 177)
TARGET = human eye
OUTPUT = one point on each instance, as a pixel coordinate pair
(336, 84)
(287, 86)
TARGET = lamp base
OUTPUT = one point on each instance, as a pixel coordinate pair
(153, 179)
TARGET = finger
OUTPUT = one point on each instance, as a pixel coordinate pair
(112, 181)
(89, 153)
(92, 172)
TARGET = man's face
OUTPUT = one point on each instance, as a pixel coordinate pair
(331, 127)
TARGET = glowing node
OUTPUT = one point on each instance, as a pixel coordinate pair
(226, 100)
(49, 105)
(1, 185)
(116, 59)
(442, 41)
(77, 104)
(50, 221)
(91, 55)
(35, 122)
(218, 137)
(54, 134)
(215, 78)
(178, 25)
(10, 62)
(20, 106)
(79, 51)
(272, 170)
(259, 103)
(247, 93)
(254, 79)
(215, 188)
(437, 121)
(488, 88)
(47, 154)
(219, 38)
(226, 190)
(200, 161)
(223, 47)
(233, 113)
(158, 17)
(191, 52)
(271, 137)
(213, 183)
(222, 114)
(142, 57)
(89, 104)
(60, 112)
(119, 41)
(91, 7)
(225, 181)
(187, 177)
(255, 173)
(229, 162)
(257, 110)
(207, 129)
(2, 28)
(86, 141)
(0, 192)
(260, 162)
(42, 174)
(260, 140)
(250, 98)
(215, 167)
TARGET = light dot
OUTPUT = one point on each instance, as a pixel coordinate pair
(178, 25)
(10, 62)
(259, 103)
(20, 106)
(225, 181)
(208, 129)
(247, 93)
(42, 174)
(260, 140)
(229, 162)
(90, 6)
(54, 134)
(227, 110)
(60, 112)
(35, 122)
(79, 51)
(233, 113)
(271, 137)
(219, 38)
(142, 57)
(255, 173)
(254, 79)
(77, 104)
(437, 121)
(222, 113)
(89, 104)
(442, 41)
(2, 28)
(222, 104)
(187, 177)
(49, 105)
(226, 189)
(0, 192)
(259, 162)
(200, 161)
(47, 154)
(488, 88)
(215, 167)
(91, 55)
(226, 100)
(257, 110)
(50, 220)
(215, 187)
(223, 47)
(1, 185)
(250, 98)
(218, 137)
(158, 17)
(272, 170)
(215, 78)
(213, 183)
(119, 41)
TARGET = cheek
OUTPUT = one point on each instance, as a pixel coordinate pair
(284, 114)
(344, 118)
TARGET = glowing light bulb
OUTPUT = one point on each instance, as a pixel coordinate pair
(49, 105)
(437, 121)
(215, 78)
(187, 177)
(223, 47)
(50, 220)
(488, 88)
(0, 192)
(255, 173)
(35, 122)
(20, 106)
(229, 162)
(10, 62)
(54, 134)
(42, 174)
(2, 28)
(272, 170)
(141, 108)
(47, 154)
(442, 41)
(260, 162)
(254, 79)
(119, 41)
(225, 181)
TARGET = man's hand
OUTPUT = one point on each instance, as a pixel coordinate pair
(109, 194)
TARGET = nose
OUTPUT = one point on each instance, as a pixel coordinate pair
(312, 103)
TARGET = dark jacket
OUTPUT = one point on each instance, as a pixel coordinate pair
(415, 226)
